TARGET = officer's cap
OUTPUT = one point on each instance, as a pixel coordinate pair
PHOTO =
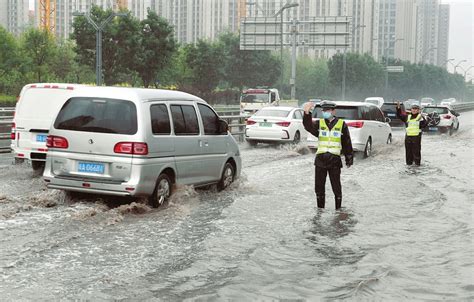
(416, 106)
(328, 105)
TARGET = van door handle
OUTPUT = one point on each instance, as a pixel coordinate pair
(206, 144)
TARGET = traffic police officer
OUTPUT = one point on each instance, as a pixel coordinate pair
(334, 140)
(414, 122)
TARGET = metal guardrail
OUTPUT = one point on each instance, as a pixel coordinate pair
(463, 106)
(6, 120)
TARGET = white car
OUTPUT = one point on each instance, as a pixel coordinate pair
(443, 119)
(377, 101)
(275, 124)
(427, 102)
(367, 126)
(448, 102)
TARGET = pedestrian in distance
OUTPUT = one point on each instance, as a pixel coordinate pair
(334, 140)
(414, 123)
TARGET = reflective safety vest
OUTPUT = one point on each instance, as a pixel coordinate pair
(413, 128)
(330, 140)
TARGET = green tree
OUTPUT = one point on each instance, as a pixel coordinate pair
(120, 43)
(157, 46)
(39, 49)
(247, 67)
(11, 68)
(204, 62)
(364, 76)
(312, 78)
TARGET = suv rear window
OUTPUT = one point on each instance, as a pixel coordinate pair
(98, 115)
(343, 112)
(392, 108)
(439, 110)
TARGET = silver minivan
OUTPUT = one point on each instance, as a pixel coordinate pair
(138, 142)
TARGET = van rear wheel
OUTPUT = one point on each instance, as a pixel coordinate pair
(227, 177)
(37, 165)
(162, 191)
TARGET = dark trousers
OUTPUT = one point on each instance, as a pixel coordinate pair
(320, 184)
(413, 150)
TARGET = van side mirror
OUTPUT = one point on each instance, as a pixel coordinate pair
(223, 127)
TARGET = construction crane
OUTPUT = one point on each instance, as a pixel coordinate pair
(47, 11)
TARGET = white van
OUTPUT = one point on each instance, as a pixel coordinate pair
(37, 106)
(377, 101)
(138, 142)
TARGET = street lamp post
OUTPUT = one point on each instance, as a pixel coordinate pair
(280, 12)
(457, 65)
(465, 71)
(386, 62)
(448, 61)
(98, 41)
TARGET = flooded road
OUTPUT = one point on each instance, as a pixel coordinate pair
(404, 233)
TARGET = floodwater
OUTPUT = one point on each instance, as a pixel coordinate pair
(404, 233)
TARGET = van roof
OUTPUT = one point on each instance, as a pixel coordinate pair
(143, 94)
(351, 104)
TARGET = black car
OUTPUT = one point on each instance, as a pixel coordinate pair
(390, 111)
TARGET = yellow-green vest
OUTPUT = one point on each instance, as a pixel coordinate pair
(413, 128)
(330, 140)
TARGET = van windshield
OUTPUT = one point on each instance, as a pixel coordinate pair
(98, 115)
(343, 112)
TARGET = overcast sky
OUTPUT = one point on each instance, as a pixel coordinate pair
(461, 32)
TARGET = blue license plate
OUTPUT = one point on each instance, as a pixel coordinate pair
(91, 168)
(391, 114)
(41, 138)
(433, 129)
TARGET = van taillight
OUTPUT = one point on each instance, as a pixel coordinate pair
(131, 148)
(13, 133)
(357, 124)
(53, 141)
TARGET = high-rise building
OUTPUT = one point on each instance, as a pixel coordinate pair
(14, 15)
(199, 19)
(405, 28)
(427, 31)
(443, 35)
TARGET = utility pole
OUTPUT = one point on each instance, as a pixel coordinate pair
(293, 61)
(280, 12)
(99, 28)
(344, 75)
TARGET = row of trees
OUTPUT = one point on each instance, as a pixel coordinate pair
(145, 53)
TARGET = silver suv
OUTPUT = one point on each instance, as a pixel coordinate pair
(138, 142)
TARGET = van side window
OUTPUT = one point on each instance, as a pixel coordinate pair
(160, 119)
(378, 115)
(210, 120)
(185, 120)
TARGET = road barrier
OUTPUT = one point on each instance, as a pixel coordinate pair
(6, 120)
(463, 106)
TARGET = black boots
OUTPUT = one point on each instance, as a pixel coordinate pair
(338, 202)
(321, 201)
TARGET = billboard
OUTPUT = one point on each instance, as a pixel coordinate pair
(265, 33)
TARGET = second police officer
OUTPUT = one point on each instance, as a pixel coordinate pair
(334, 140)
(414, 122)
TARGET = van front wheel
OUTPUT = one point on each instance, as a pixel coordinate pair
(227, 177)
(162, 191)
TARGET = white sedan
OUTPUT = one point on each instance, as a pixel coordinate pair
(275, 124)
